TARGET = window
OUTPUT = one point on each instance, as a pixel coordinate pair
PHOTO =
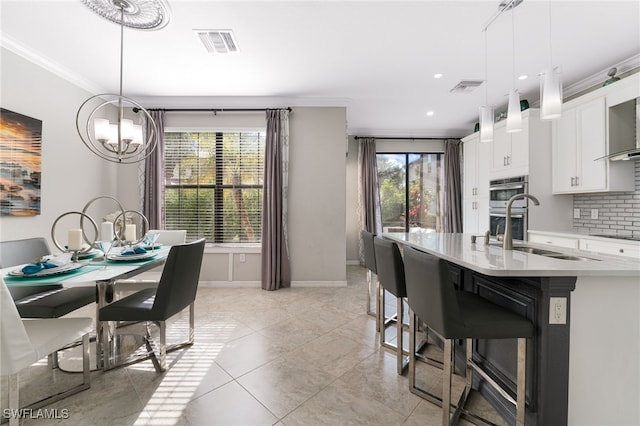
(410, 191)
(213, 184)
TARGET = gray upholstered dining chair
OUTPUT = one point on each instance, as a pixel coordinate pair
(176, 290)
(151, 278)
(23, 342)
(46, 301)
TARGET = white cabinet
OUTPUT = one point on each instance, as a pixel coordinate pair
(475, 195)
(510, 151)
(554, 240)
(579, 139)
(595, 244)
(620, 248)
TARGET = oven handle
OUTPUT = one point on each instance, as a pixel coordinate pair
(513, 216)
(498, 187)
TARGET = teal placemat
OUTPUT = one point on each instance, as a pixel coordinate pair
(51, 279)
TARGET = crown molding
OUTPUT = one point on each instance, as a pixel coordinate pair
(239, 102)
(41, 60)
(416, 133)
(596, 79)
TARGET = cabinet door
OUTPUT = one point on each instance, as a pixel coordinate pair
(592, 175)
(519, 148)
(500, 149)
(469, 216)
(564, 152)
(482, 212)
(470, 160)
(484, 158)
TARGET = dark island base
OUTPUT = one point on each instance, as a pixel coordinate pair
(547, 353)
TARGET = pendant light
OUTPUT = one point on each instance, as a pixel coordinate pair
(121, 141)
(486, 111)
(550, 86)
(514, 115)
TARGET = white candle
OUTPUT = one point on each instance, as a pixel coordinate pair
(106, 231)
(130, 233)
(74, 239)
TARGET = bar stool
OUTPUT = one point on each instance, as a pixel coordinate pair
(390, 269)
(370, 264)
(462, 315)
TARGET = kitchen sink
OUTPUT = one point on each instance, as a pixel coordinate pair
(538, 251)
(552, 254)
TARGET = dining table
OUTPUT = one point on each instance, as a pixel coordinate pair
(103, 273)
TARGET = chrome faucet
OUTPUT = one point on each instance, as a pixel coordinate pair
(507, 243)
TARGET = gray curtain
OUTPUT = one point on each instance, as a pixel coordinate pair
(275, 254)
(368, 186)
(153, 198)
(452, 186)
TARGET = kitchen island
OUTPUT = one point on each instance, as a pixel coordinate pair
(583, 364)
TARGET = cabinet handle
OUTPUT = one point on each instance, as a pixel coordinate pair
(577, 181)
(508, 160)
(504, 161)
(621, 250)
(573, 181)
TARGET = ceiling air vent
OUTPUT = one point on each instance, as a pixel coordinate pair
(466, 86)
(218, 41)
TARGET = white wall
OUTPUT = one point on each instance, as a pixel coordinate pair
(317, 194)
(71, 174)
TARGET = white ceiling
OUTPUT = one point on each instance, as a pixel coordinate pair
(376, 58)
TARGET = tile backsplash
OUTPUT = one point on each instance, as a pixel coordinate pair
(618, 212)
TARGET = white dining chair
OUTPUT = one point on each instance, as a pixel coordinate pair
(151, 278)
(24, 342)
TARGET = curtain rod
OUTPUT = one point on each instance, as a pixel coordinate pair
(403, 138)
(213, 110)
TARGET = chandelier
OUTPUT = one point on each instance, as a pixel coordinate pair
(121, 141)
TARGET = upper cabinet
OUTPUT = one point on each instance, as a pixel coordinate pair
(580, 138)
(510, 151)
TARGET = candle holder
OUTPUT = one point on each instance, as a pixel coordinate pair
(121, 236)
(102, 197)
(75, 253)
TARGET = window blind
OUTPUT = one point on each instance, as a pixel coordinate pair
(213, 184)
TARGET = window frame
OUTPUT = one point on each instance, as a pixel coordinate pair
(407, 189)
(219, 186)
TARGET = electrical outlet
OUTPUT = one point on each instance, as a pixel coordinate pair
(594, 213)
(242, 258)
(576, 213)
(557, 310)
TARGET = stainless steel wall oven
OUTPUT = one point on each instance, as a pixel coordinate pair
(500, 191)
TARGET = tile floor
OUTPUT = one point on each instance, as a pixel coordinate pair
(300, 356)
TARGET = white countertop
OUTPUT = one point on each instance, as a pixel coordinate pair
(492, 260)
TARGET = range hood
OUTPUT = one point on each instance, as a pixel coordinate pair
(624, 131)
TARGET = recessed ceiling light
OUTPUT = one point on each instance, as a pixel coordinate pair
(429, 113)
(438, 75)
(523, 77)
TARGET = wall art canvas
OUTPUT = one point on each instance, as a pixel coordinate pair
(20, 164)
